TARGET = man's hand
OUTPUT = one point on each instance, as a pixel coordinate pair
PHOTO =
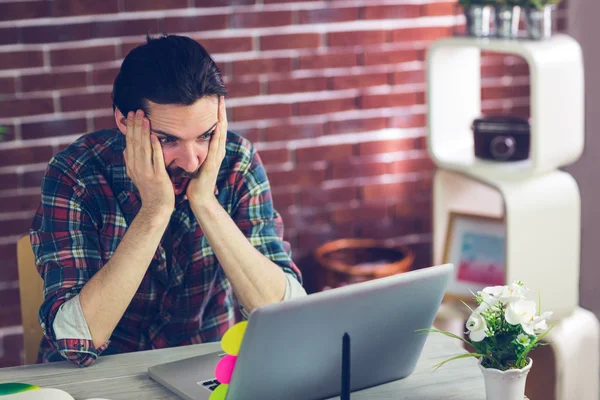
(202, 188)
(146, 166)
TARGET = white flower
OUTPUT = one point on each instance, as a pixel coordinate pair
(523, 339)
(538, 324)
(523, 312)
(492, 295)
(477, 327)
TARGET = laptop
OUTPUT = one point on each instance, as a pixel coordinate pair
(293, 349)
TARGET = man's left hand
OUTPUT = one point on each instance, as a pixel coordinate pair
(202, 188)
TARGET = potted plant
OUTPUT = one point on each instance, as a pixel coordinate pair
(478, 14)
(503, 329)
(539, 17)
(507, 15)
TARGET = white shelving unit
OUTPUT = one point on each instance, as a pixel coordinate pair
(539, 204)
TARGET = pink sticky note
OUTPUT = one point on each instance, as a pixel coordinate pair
(224, 368)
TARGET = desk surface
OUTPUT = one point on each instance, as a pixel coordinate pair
(125, 376)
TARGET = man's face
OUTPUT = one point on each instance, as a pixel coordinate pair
(184, 133)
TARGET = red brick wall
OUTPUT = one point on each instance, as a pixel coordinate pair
(332, 93)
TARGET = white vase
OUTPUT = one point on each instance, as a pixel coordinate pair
(505, 385)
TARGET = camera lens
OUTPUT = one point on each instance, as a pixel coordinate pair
(502, 147)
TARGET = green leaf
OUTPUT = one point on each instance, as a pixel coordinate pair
(466, 355)
(452, 335)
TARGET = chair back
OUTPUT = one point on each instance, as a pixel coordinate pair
(31, 289)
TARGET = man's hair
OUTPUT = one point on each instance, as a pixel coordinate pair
(169, 69)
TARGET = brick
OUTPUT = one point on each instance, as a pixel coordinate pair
(386, 146)
(13, 345)
(361, 212)
(83, 55)
(331, 60)
(381, 191)
(492, 71)
(424, 34)
(517, 69)
(325, 15)
(411, 165)
(227, 45)
(387, 229)
(312, 237)
(22, 107)
(291, 132)
(388, 100)
(261, 19)
(53, 81)
(390, 56)
(18, 226)
(243, 89)
(262, 111)
(219, 3)
(356, 38)
(10, 35)
(7, 85)
(357, 168)
(356, 125)
(408, 120)
(194, 23)
(503, 92)
(126, 27)
(324, 153)
(21, 59)
(16, 10)
(87, 101)
(252, 134)
(9, 180)
(392, 11)
(24, 156)
(297, 85)
(32, 179)
(275, 156)
(359, 81)
(261, 66)
(20, 203)
(34, 130)
(408, 77)
(321, 197)
(301, 218)
(56, 33)
(292, 41)
(8, 270)
(144, 5)
(282, 199)
(301, 175)
(107, 122)
(126, 47)
(440, 9)
(105, 76)
(326, 106)
(63, 8)
(284, 1)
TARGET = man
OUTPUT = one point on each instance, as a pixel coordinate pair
(156, 234)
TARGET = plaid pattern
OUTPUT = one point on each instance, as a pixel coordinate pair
(87, 203)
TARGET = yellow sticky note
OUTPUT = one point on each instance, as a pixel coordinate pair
(232, 339)
(219, 393)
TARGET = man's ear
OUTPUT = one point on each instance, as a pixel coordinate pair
(121, 121)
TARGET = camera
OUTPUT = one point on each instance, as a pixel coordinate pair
(501, 138)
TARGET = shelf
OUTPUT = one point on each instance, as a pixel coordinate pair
(556, 102)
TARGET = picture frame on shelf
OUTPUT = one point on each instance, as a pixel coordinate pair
(476, 245)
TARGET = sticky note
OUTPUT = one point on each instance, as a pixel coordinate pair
(224, 368)
(232, 339)
(219, 393)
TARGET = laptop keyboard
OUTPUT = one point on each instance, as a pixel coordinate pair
(210, 384)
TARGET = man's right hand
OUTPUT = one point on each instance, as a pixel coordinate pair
(146, 166)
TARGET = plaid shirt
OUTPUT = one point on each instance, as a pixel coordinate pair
(87, 204)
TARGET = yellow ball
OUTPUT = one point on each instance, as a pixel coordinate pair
(232, 339)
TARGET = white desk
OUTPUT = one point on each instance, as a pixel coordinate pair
(124, 376)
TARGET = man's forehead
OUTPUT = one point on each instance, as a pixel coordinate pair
(183, 120)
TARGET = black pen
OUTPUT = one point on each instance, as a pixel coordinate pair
(345, 367)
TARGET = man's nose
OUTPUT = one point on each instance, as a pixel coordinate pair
(188, 159)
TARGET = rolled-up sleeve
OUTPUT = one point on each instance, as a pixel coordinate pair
(255, 215)
(65, 243)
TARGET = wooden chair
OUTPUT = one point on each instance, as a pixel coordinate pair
(31, 288)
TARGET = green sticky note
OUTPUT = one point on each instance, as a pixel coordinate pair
(12, 388)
